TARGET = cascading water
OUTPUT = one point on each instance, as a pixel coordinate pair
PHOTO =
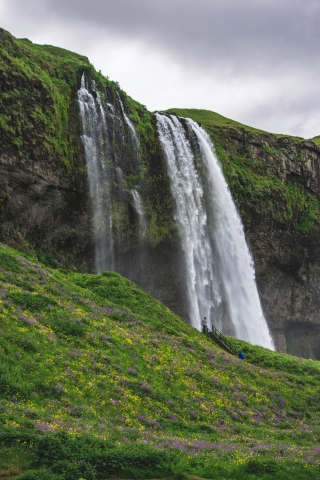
(94, 140)
(128, 122)
(220, 274)
(137, 202)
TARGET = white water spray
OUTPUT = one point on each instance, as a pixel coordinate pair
(219, 268)
(94, 140)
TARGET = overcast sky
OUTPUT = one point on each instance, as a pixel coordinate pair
(255, 61)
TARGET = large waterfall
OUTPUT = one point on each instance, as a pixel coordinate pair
(220, 276)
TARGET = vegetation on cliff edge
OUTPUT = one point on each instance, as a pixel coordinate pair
(37, 100)
(255, 186)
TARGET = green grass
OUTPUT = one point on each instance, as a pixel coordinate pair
(210, 120)
(93, 360)
(316, 140)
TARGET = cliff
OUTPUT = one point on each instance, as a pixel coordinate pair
(274, 180)
(45, 206)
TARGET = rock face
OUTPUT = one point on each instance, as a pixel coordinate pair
(45, 203)
(287, 264)
(40, 211)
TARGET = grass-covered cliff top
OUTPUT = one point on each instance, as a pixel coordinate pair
(100, 379)
(36, 87)
(38, 112)
(210, 120)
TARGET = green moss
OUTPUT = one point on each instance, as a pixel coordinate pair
(316, 140)
(36, 95)
(157, 232)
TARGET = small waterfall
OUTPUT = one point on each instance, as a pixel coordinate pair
(137, 202)
(220, 273)
(132, 130)
(95, 141)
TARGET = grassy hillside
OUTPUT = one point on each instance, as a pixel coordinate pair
(97, 379)
(209, 120)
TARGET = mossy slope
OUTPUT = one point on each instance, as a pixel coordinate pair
(96, 357)
(37, 101)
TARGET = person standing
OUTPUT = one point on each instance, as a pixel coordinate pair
(204, 325)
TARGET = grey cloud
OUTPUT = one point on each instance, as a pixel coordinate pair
(272, 44)
(274, 32)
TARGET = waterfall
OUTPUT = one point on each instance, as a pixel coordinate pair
(132, 130)
(137, 202)
(95, 139)
(220, 276)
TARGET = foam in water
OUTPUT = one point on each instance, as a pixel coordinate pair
(94, 140)
(220, 274)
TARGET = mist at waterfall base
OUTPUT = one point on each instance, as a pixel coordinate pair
(219, 269)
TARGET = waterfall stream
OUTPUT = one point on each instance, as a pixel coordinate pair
(220, 276)
(137, 201)
(94, 139)
(128, 122)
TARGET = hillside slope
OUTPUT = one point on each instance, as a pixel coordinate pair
(96, 357)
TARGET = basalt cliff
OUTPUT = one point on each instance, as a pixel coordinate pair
(46, 208)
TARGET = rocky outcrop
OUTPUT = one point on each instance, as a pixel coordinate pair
(44, 213)
(287, 262)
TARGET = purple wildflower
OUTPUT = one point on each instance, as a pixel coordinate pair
(27, 320)
(22, 261)
(109, 310)
(44, 427)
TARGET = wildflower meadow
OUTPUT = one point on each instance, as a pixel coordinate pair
(98, 380)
